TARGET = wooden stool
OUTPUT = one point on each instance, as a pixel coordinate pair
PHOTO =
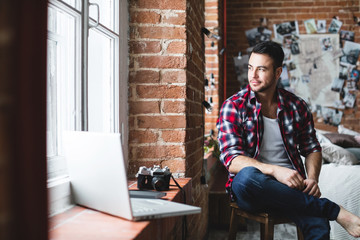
(266, 220)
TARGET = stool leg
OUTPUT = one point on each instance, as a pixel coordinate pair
(262, 231)
(268, 230)
(233, 225)
(299, 234)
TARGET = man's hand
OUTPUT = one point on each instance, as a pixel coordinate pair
(312, 188)
(289, 177)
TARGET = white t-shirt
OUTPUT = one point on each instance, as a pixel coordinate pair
(272, 149)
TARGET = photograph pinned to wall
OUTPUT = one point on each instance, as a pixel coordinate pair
(354, 79)
(349, 98)
(257, 35)
(284, 77)
(293, 80)
(351, 84)
(326, 44)
(350, 53)
(241, 69)
(355, 74)
(287, 54)
(321, 26)
(337, 84)
(331, 116)
(344, 71)
(347, 35)
(291, 66)
(334, 26)
(310, 26)
(338, 104)
(336, 118)
(285, 29)
(291, 42)
(295, 49)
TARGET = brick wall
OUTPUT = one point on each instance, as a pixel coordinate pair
(166, 89)
(214, 61)
(245, 14)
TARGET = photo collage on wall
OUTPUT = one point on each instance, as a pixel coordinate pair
(320, 66)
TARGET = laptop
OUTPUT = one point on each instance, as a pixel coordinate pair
(98, 179)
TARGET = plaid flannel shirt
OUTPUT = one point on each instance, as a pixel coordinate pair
(241, 127)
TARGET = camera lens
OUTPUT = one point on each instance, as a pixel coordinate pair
(158, 183)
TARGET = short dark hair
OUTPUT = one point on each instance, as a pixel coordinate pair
(273, 50)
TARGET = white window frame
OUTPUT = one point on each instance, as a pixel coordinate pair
(59, 187)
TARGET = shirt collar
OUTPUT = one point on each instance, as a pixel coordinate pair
(280, 98)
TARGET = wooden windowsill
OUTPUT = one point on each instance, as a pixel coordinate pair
(83, 223)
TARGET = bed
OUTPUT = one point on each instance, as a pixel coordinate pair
(339, 179)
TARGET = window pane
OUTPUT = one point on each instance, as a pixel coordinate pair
(107, 13)
(61, 77)
(101, 82)
(73, 3)
(51, 99)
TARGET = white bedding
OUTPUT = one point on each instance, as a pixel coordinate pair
(341, 184)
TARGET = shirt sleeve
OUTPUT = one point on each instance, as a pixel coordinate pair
(230, 133)
(307, 134)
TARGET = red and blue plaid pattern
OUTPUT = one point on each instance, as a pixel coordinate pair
(240, 126)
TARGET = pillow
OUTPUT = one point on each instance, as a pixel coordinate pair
(342, 129)
(356, 152)
(357, 138)
(321, 138)
(335, 154)
(342, 140)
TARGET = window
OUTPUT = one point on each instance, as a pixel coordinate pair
(85, 87)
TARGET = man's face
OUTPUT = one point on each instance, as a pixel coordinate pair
(261, 75)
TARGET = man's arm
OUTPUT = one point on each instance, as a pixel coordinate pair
(287, 176)
(313, 164)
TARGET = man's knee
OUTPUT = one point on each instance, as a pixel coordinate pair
(246, 179)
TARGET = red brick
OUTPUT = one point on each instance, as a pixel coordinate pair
(211, 24)
(212, 17)
(156, 4)
(213, 4)
(144, 76)
(161, 122)
(175, 166)
(160, 152)
(143, 136)
(145, 17)
(144, 47)
(173, 107)
(162, 32)
(143, 107)
(173, 76)
(173, 135)
(162, 62)
(131, 122)
(176, 47)
(160, 91)
(176, 18)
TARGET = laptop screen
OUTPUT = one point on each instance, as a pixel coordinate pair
(97, 171)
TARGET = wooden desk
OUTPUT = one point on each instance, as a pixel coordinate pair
(83, 223)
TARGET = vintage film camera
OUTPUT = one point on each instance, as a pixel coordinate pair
(154, 178)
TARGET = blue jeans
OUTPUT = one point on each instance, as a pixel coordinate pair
(256, 192)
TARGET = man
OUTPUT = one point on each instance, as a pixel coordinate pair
(262, 132)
